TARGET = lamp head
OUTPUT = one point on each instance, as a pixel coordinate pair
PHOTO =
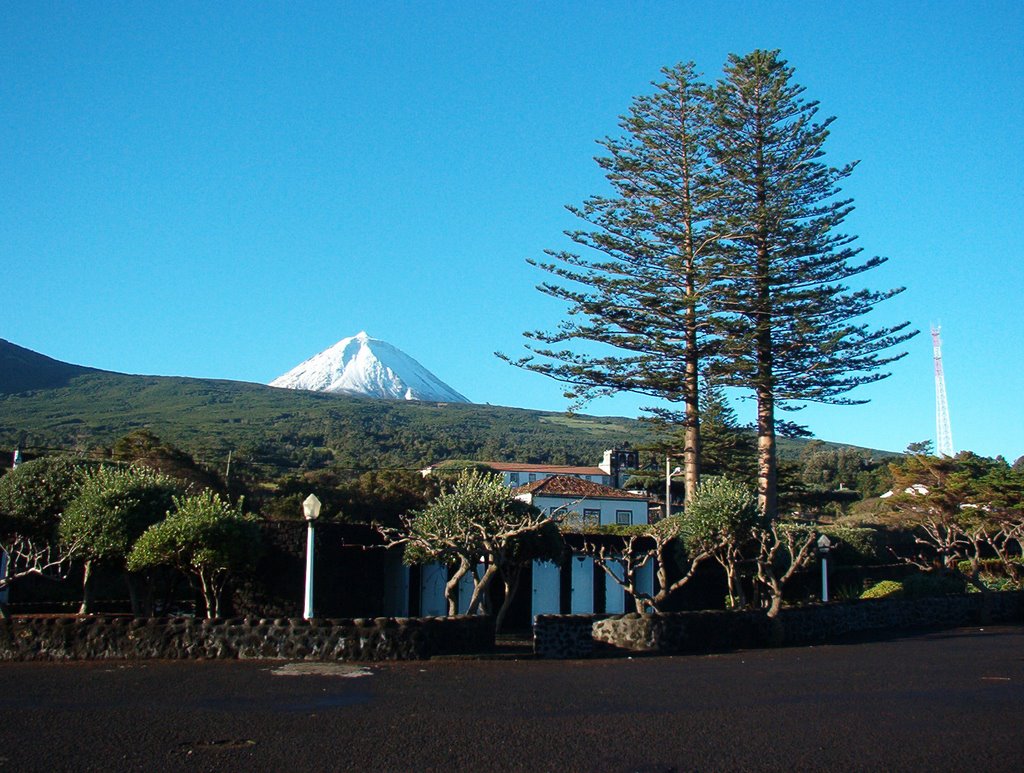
(311, 508)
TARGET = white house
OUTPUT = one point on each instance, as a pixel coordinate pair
(589, 503)
(608, 473)
(590, 491)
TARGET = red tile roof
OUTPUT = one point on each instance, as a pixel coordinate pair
(554, 469)
(577, 488)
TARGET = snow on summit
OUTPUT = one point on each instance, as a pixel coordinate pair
(368, 366)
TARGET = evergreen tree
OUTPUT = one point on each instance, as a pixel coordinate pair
(646, 295)
(794, 335)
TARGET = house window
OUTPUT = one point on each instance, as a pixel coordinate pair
(533, 477)
(624, 517)
(591, 517)
(513, 478)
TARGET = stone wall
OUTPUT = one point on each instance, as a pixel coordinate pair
(381, 638)
(564, 636)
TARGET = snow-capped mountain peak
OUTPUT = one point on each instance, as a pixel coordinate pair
(368, 366)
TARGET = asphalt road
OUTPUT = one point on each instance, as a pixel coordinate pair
(944, 701)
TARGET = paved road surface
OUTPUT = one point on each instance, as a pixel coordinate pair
(944, 701)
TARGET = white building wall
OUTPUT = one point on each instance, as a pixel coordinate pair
(514, 479)
(433, 578)
(396, 585)
(582, 585)
(614, 594)
(637, 508)
(645, 578)
(546, 588)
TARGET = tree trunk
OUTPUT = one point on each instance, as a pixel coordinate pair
(87, 590)
(141, 597)
(480, 589)
(510, 578)
(451, 588)
(767, 472)
(211, 595)
(691, 436)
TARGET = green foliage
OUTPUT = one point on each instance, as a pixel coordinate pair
(374, 496)
(721, 511)
(797, 335)
(921, 448)
(478, 521)
(114, 507)
(457, 522)
(854, 546)
(144, 449)
(955, 506)
(451, 469)
(883, 590)
(33, 496)
(996, 573)
(274, 431)
(205, 536)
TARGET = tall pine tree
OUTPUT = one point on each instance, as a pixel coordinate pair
(642, 292)
(795, 335)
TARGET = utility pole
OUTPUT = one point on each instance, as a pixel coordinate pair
(227, 477)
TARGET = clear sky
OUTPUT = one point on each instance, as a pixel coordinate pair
(224, 189)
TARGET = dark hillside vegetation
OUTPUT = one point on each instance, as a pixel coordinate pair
(22, 370)
(270, 431)
(280, 429)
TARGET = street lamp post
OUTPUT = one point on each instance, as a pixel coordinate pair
(824, 545)
(310, 510)
(669, 472)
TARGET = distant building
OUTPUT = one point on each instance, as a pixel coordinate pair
(608, 473)
(592, 503)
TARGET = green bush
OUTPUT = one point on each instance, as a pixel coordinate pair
(854, 546)
(883, 590)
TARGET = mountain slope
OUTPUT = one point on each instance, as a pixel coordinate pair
(272, 430)
(22, 370)
(368, 366)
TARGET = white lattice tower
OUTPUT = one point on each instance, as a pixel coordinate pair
(943, 432)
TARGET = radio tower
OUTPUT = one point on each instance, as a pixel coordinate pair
(943, 432)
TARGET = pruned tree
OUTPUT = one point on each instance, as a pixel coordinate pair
(206, 538)
(641, 298)
(794, 334)
(783, 549)
(721, 520)
(479, 521)
(959, 509)
(114, 506)
(33, 497)
(622, 552)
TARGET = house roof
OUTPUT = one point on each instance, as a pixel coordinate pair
(577, 488)
(556, 469)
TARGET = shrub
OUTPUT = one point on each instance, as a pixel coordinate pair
(883, 590)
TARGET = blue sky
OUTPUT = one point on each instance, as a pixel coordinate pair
(222, 190)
